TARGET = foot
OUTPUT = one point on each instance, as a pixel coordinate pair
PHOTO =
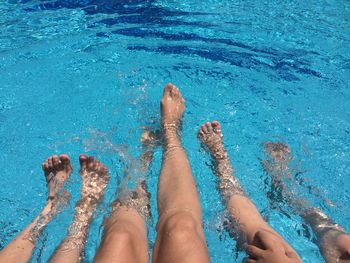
(142, 198)
(280, 152)
(172, 106)
(95, 178)
(211, 136)
(138, 199)
(150, 139)
(279, 156)
(56, 170)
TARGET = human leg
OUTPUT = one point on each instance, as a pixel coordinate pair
(56, 170)
(180, 235)
(125, 234)
(240, 207)
(95, 179)
(333, 241)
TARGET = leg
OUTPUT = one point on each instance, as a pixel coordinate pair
(125, 235)
(180, 233)
(333, 241)
(95, 179)
(57, 170)
(240, 207)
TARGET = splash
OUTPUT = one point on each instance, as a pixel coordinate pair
(134, 168)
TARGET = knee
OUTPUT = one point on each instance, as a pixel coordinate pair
(121, 235)
(180, 226)
(122, 242)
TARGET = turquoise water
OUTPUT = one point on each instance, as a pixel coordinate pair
(86, 76)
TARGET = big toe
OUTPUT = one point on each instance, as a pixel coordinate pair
(175, 93)
(168, 90)
(65, 159)
(216, 126)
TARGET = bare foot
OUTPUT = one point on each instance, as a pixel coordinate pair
(211, 136)
(143, 200)
(151, 138)
(279, 156)
(280, 152)
(95, 178)
(172, 106)
(57, 170)
(138, 200)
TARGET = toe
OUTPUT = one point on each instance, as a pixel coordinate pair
(90, 163)
(104, 169)
(96, 165)
(83, 159)
(49, 162)
(175, 92)
(65, 161)
(167, 89)
(45, 165)
(216, 126)
(203, 129)
(55, 160)
(200, 133)
(208, 127)
(65, 158)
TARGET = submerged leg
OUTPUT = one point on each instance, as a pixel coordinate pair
(57, 170)
(240, 207)
(125, 234)
(180, 235)
(333, 241)
(95, 179)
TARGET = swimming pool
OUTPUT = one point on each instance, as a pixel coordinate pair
(85, 76)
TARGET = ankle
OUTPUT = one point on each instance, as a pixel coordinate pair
(171, 137)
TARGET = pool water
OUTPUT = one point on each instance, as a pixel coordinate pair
(86, 76)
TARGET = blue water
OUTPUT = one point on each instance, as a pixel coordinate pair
(86, 76)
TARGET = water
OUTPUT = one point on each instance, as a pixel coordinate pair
(86, 76)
